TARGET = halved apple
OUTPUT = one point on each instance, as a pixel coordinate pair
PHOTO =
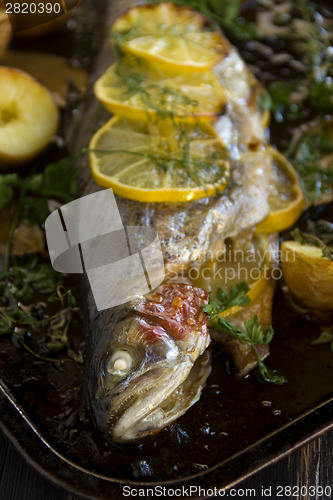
(28, 116)
(308, 274)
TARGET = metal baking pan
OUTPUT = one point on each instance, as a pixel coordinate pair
(34, 446)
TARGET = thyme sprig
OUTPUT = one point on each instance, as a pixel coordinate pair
(26, 319)
(317, 237)
(28, 283)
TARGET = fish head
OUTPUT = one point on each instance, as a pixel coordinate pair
(152, 367)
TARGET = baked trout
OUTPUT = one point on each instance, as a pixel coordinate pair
(147, 361)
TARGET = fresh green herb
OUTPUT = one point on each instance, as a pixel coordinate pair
(254, 335)
(34, 329)
(164, 101)
(58, 181)
(278, 99)
(192, 168)
(25, 277)
(326, 337)
(238, 296)
(167, 103)
(7, 185)
(31, 194)
(314, 238)
(306, 157)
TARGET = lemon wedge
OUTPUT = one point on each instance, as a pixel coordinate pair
(159, 162)
(139, 91)
(28, 116)
(308, 274)
(170, 35)
(286, 198)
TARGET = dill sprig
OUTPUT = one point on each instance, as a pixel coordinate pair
(193, 168)
(165, 101)
(132, 73)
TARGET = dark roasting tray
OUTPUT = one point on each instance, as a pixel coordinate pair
(258, 433)
(30, 441)
(236, 428)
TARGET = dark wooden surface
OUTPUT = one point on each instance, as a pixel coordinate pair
(311, 465)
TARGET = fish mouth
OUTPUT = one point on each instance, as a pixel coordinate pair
(167, 394)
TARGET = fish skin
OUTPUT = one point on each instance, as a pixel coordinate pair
(166, 335)
(187, 232)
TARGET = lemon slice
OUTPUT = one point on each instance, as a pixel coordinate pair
(171, 36)
(28, 116)
(136, 90)
(286, 198)
(308, 274)
(158, 162)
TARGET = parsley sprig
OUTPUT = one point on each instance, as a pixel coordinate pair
(222, 301)
(253, 333)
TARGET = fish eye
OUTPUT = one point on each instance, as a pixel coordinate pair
(120, 363)
(117, 364)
